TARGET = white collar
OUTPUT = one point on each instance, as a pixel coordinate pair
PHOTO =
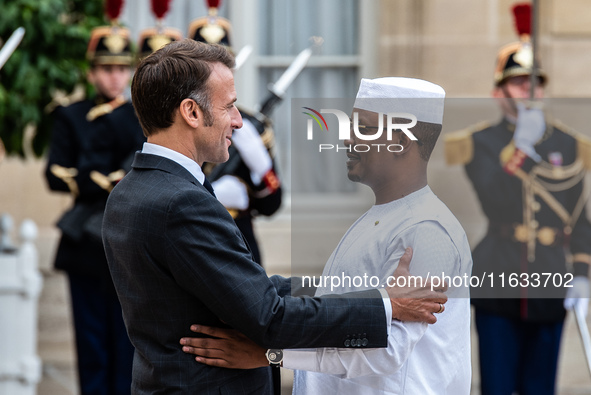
(185, 161)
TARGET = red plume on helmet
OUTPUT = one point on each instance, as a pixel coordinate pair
(113, 9)
(213, 3)
(522, 14)
(517, 58)
(154, 38)
(160, 8)
(213, 6)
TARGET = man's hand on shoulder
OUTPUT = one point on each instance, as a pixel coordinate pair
(416, 299)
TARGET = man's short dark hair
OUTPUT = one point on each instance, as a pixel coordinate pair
(427, 133)
(178, 71)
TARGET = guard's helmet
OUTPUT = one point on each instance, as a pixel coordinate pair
(109, 45)
(154, 38)
(211, 29)
(516, 59)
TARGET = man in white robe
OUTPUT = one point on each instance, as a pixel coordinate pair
(420, 358)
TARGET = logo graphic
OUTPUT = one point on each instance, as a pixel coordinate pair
(346, 126)
(316, 119)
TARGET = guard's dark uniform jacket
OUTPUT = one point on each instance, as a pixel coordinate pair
(537, 222)
(264, 198)
(91, 149)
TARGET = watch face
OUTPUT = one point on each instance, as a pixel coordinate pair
(275, 355)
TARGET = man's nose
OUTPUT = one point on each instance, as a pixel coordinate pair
(236, 119)
(351, 140)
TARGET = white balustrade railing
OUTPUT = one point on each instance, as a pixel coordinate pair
(20, 286)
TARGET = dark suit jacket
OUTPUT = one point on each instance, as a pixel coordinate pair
(177, 258)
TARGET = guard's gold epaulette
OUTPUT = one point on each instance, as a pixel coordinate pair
(66, 174)
(105, 108)
(459, 147)
(61, 99)
(268, 136)
(583, 142)
(109, 181)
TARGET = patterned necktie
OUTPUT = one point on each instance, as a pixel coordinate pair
(208, 186)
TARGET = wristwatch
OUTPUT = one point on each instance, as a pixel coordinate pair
(274, 356)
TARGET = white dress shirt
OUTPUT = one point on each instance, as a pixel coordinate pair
(185, 161)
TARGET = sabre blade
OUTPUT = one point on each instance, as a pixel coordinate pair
(585, 338)
(294, 69)
(242, 56)
(277, 90)
(11, 45)
(534, 45)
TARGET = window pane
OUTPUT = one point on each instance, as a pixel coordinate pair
(287, 25)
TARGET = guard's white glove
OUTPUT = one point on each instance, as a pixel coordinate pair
(231, 192)
(252, 150)
(529, 129)
(577, 297)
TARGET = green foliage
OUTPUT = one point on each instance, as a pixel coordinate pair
(50, 57)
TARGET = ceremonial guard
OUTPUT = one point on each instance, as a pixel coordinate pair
(92, 145)
(154, 38)
(527, 171)
(247, 184)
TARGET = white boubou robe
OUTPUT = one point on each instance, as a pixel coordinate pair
(420, 358)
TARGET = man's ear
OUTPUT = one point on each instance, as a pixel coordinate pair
(190, 112)
(404, 143)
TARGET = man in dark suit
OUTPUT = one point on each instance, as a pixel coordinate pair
(177, 257)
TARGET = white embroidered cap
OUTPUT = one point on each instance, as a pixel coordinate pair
(383, 95)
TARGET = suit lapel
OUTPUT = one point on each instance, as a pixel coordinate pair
(155, 162)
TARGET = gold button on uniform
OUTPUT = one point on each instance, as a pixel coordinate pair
(546, 236)
(520, 233)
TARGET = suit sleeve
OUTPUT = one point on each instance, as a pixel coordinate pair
(283, 285)
(209, 259)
